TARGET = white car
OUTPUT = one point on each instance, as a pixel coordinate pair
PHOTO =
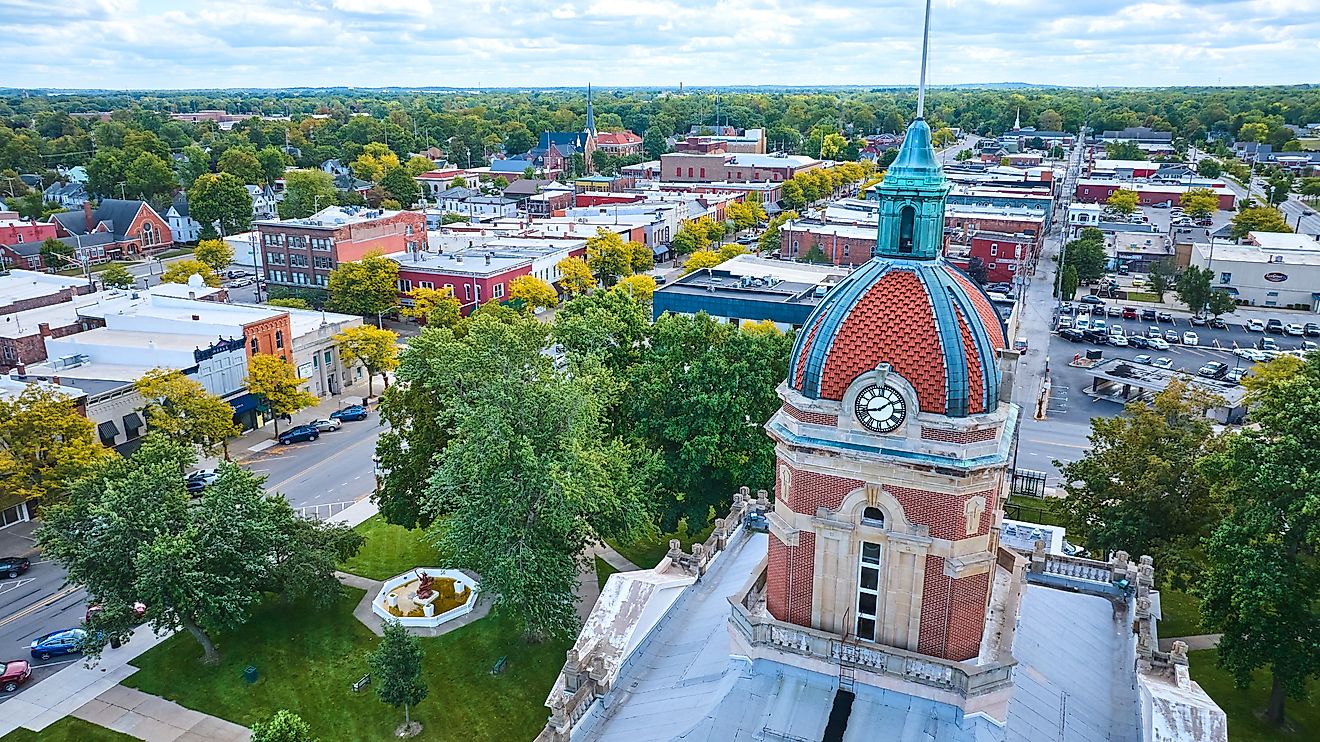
(1065, 323)
(1082, 324)
(1118, 341)
(1158, 343)
(1255, 325)
(1190, 338)
(1097, 324)
(1165, 363)
(1293, 329)
(1250, 354)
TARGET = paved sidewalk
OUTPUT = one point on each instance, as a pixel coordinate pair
(155, 719)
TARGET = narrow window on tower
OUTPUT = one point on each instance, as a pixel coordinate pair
(906, 226)
(868, 592)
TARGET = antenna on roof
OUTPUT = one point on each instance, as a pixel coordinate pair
(925, 45)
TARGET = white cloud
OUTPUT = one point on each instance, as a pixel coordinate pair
(520, 43)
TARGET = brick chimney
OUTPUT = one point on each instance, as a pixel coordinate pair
(44, 329)
(87, 215)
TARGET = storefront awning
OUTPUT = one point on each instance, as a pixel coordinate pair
(108, 430)
(132, 421)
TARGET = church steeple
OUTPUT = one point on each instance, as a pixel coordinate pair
(913, 191)
(1017, 121)
(591, 116)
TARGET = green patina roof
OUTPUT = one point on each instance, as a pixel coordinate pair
(916, 166)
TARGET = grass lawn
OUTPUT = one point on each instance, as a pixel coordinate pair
(1141, 296)
(647, 554)
(1182, 614)
(1244, 707)
(1043, 510)
(603, 572)
(308, 660)
(389, 550)
(176, 252)
(67, 729)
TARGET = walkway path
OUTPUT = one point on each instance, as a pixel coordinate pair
(152, 718)
(1200, 641)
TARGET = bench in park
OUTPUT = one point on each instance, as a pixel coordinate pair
(499, 665)
(362, 682)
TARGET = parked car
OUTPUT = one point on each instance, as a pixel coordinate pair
(1190, 338)
(1158, 343)
(16, 672)
(1311, 329)
(1142, 359)
(1098, 324)
(1148, 315)
(56, 643)
(1274, 327)
(1064, 323)
(1138, 341)
(1129, 312)
(1198, 320)
(326, 426)
(1294, 329)
(1082, 323)
(1154, 332)
(1095, 336)
(1116, 330)
(1066, 308)
(1118, 341)
(1218, 323)
(1213, 370)
(351, 413)
(1255, 325)
(200, 480)
(299, 434)
(1071, 335)
(1093, 300)
(12, 567)
(1267, 344)
(1164, 363)
(1020, 345)
(1114, 311)
(1163, 317)
(1235, 375)
(1171, 336)
(1251, 354)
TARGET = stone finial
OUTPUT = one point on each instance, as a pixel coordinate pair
(1120, 561)
(1147, 561)
(719, 526)
(763, 499)
(1143, 607)
(698, 551)
(745, 492)
(1178, 653)
(675, 547)
(1038, 548)
(1146, 573)
(573, 658)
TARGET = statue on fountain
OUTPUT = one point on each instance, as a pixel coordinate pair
(424, 589)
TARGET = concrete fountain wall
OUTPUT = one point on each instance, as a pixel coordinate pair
(380, 605)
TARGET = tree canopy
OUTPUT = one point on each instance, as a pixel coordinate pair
(45, 444)
(364, 287)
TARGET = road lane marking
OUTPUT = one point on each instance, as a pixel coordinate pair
(39, 605)
(319, 464)
(9, 585)
(1061, 445)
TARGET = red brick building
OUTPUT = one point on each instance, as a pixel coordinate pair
(115, 229)
(712, 168)
(20, 231)
(474, 278)
(618, 143)
(841, 244)
(1148, 194)
(1001, 253)
(302, 252)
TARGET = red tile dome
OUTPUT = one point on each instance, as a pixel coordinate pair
(927, 319)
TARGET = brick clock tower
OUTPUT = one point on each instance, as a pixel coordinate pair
(893, 440)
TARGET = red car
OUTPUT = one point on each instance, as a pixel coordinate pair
(16, 673)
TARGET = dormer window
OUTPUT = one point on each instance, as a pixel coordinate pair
(873, 517)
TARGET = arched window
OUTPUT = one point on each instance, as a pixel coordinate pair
(874, 517)
(906, 228)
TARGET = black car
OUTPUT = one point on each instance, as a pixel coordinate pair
(1148, 315)
(1071, 335)
(1274, 327)
(1213, 370)
(1066, 308)
(299, 434)
(1138, 341)
(1099, 337)
(12, 567)
(1218, 323)
(1311, 330)
(350, 413)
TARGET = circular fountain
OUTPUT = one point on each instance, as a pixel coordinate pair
(426, 597)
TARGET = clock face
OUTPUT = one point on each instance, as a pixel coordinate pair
(881, 409)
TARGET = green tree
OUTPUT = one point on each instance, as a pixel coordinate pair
(1278, 188)
(530, 480)
(639, 286)
(180, 409)
(1137, 487)
(215, 253)
(963, 155)
(1122, 201)
(690, 238)
(1124, 151)
(220, 199)
(105, 173)
(180, 271)
(1049, 120)
(608, 327)
(45, 444)
(289, 302)
(366, 287)
(274, 381)
(435, 307)
(1068, 283)
(117, 276)
(1086, 254)
(1263, 569)
(242, 163)
(702, 259)
(396, 671)
(272, 161)
(518, 138)
(791, 196)
(376, 349)
(375, 161)
(399, 183)
(56, 254)
(150, 176)
(1199, 203)
(1221, 302)
(195, 164)
(307, 192)
(1254, 132)
(1209, 168)
(1258, 219)
(1193, 288)
(283, 726)
(1159, 277)
(654, 143)
(769, 241)
(129, 533)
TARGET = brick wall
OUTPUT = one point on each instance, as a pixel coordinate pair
(943, 513)
(959, 436)
(789, 579)
(36, 302)
(796, 242)
(815, 418)
(812, 490)
(952, 613)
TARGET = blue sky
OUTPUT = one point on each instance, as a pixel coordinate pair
(513, 43)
